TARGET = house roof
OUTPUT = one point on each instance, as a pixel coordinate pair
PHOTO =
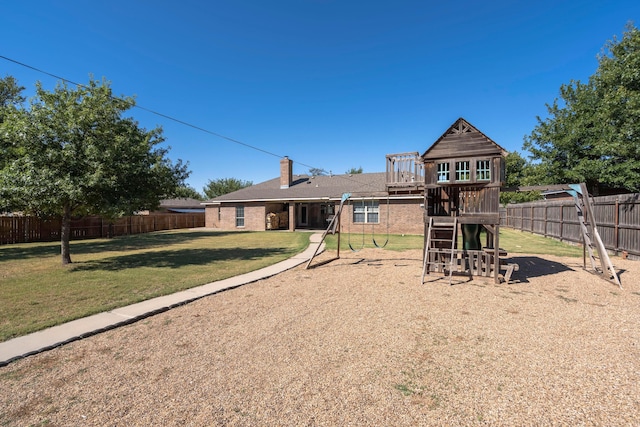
(462, 140)
(187, 210)
(181, 203)
(305, 187)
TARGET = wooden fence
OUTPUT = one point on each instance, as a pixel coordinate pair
(617, 219)
(17, 229)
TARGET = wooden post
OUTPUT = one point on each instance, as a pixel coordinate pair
(339, 232)
(616, 230)
(496, 254)
(531, 218)
(292, 216)
(562, 222)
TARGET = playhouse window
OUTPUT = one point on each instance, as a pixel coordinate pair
(367, 212)
(463, 171)
(483, 170)
(443, 172)
(239, 216)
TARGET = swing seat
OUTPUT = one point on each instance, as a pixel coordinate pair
(354, 249)
(380, 246)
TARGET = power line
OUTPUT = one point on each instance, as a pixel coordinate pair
(182, 122)
(166, 116)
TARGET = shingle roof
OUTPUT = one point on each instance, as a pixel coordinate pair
(305, 187)
(462, 139)
(183, 202)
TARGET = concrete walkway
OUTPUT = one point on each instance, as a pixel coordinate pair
(81, 328)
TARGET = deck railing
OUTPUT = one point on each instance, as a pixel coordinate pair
(405, 170)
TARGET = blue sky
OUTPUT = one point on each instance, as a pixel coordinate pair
(331, 84)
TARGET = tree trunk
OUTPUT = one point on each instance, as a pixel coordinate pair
(65, 235)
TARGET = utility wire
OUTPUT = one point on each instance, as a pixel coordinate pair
(182, 122)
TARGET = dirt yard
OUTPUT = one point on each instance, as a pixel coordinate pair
(361, 342)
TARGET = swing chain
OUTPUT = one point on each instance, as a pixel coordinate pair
(373, 234)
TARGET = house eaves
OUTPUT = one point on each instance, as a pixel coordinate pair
(309, 188)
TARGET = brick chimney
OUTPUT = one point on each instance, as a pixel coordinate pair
(286, 172)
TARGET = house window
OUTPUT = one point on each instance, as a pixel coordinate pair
(463, 172)
(239, 216)
(483, 170)
(366, 212)
(443, 172)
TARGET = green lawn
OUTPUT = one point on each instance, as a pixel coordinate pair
(512, 241)
(36, 291)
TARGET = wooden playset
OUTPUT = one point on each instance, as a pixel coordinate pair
(464, 170)
(460, 176)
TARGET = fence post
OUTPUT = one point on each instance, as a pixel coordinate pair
(531, 216)
(616, 229)
(562, 222)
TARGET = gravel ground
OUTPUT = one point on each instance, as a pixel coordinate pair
(358, 341)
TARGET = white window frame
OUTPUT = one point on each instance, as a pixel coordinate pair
(240, 216)
(463, 171)
(483, 170)
(443, 171)
(366, 211)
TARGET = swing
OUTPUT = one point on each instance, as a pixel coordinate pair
(373, 228)
(349, 230)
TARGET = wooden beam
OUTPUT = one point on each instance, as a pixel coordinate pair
(554, 187)
(496, 238)
(489, 228)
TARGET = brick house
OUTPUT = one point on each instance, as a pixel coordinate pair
(392, 200)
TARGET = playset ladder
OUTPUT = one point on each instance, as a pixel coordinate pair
(441, 242)
(592, 242)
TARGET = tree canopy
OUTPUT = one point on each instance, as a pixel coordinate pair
(354, 171)
(10, 97)
(10, 92)
(518, 172)
(220, 186)
(592, 133)
(188, 192)
(70, 152)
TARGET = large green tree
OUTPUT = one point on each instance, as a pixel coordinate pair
(218, 187)
(10, 97)
(10, 92)
(518, 172)
(592, 133)
(75, 154)
(187, 192)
